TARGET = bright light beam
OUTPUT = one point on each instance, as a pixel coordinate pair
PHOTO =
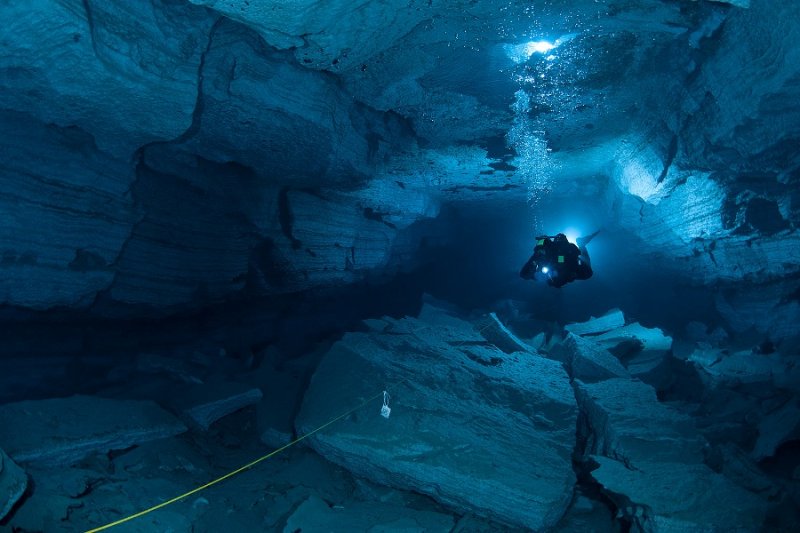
(540, 47)
(522, 52)
(572, 234)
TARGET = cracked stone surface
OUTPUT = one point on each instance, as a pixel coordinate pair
(62, 431)
(456, 440)
(650, 460)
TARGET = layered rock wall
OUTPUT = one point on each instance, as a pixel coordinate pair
(169, 154)
(162, 156)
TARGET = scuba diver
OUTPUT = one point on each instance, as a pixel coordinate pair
(558, 261)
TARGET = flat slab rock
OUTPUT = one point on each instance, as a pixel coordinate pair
(651, 463)
(62, 431)
(477, 429)
(13, 482)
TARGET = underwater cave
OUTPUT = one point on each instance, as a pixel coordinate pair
(419, 266)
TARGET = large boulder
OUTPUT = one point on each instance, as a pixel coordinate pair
(650, 462)
(473, 427)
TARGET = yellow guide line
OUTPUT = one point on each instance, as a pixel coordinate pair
(237, 471)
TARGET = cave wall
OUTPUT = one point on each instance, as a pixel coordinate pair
(722, 207)
(159, 156)
(165, 155)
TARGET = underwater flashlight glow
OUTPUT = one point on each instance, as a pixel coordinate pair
(520, 53)
(545, 270)
(538, 46)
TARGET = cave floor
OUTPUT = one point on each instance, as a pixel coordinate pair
(629, 374)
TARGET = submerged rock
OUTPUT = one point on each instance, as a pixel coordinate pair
(494, 331)
(316, 516)
(741, 468)
(589, 362)
(721, 368)
(778, 427)
(177, 369)
(205, 404)
(62, 431)
(475, 428)
(13, 482)
(651, 463)
(587, 514)
(636, 342)
(643, 351)
(283, 384)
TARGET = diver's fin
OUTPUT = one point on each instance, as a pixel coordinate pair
(583, 241)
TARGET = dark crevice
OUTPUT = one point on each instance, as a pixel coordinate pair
(139, 168)
(503, 166)
(90, 21)
(267, 269)
(286, 218)
(583, 465)
(371, 214)
(199, 105)
(478, 188)
(139, 164)
(672, 151)
(86, 261)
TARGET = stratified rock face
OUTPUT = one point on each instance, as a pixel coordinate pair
(62, 431)
(331, 31)
(164, 175)
(172, 154)
(651, 463)
(471, 426)
(126, 73)
(755, 117)
(67, 214)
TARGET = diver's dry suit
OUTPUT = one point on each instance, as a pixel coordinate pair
(557, 261)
